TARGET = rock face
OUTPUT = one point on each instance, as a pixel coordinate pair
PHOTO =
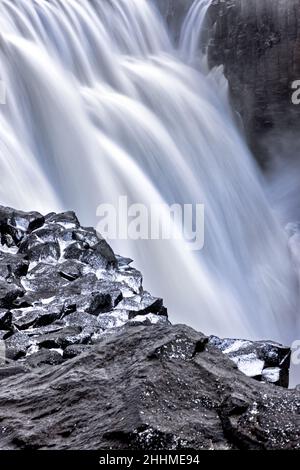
(146, 387)
(258, 42)
(90, 360)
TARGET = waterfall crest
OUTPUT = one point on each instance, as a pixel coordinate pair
(99, 104)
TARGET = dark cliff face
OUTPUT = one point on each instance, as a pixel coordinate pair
(258, 41)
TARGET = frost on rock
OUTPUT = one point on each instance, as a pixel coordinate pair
(249, 364)
(271, 374)
(263, 360)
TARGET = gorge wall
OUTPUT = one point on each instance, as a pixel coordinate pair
(258, 42)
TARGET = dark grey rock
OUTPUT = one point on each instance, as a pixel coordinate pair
(44, 357)
(81, 319)
(13, 265)
(5, 319)
(100, 256)
(45, 280)
(75, 350)
(104, 250)
(71, 269)
(65, 219)
(14, 225)
(142, 305)
(44, 252)
(123, 262)
(43, 330)
(147, 388)
(87, 235)
(44, 235)
(91, 295)
(24, 318)
(131, 278)
(17, 345)
(9, 292)
(10, 371)
(257, 41)
(62, 338)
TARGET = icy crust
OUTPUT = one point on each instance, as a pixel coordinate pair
(263, 360)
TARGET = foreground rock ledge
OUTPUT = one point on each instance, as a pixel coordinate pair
(147, 387)
(89, 359)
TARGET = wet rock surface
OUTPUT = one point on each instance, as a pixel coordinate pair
(89, 359)
(62, 285)
(145, 387)
(257, 41)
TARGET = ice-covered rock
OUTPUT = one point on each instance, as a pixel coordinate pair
(263, 360)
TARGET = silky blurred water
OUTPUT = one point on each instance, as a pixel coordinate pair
(100, 103)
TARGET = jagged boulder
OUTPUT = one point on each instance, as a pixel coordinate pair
(263, 360)
(144, 387)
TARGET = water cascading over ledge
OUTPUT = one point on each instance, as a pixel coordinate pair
(101, 104)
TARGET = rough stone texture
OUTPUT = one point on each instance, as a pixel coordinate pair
(146, 387)
(62, 285)
(89, 360)
(263, 360)
(258, 42)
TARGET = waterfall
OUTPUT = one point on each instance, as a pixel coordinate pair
(190, 38)
(99, 104)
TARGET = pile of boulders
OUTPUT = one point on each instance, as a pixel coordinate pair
(62, 286)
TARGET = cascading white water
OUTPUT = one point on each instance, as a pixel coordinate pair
(192, 28)
(101, 104)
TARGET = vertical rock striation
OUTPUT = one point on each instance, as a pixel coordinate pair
(258, 42)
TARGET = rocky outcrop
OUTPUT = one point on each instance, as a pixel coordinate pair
(61, 285)
(90, 360)
(146, 387)
(258, 41)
